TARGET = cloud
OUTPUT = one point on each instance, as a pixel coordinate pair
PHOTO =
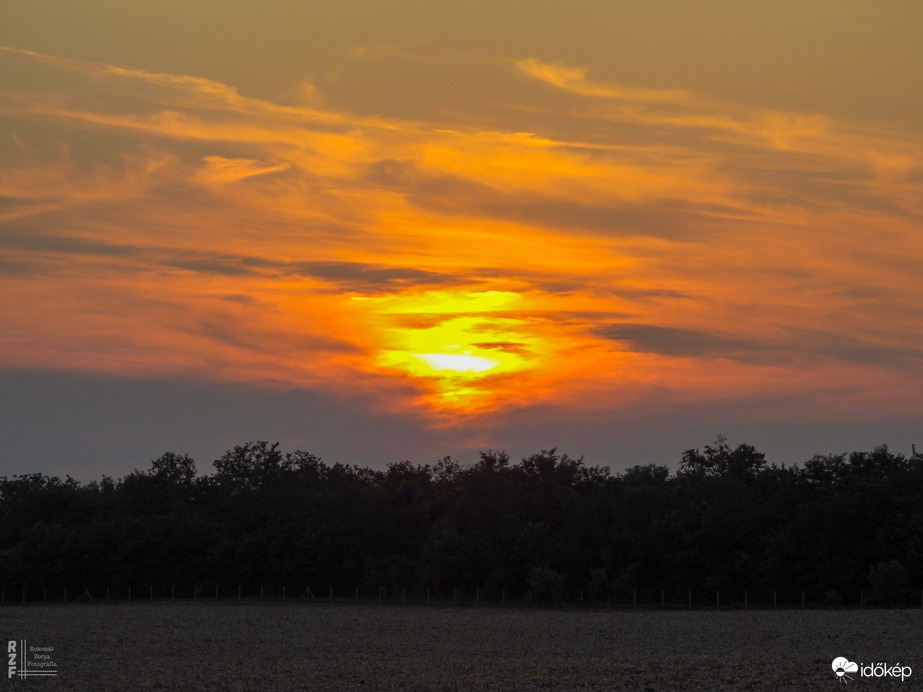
(574, 79)
(749, 130)
(673, 341)
(605, 245)
(214, 263)
(784, 347)
(35, 243)
(220, 170)
(371, 278)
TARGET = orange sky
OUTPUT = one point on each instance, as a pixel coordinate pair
(572, 241)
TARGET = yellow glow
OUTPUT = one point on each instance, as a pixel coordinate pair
(456, 344)
(457, 362)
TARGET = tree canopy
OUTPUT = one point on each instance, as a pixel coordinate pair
(549, 523)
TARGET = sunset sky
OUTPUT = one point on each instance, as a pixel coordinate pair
(402, 230)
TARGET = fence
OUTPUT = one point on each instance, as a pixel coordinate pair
(635, 599)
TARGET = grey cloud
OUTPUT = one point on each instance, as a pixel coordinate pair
(359, 276)
(214, 263)
(354, 276)
(229, 332)
(363, 276)
(16, 268)
(693, 343)
(11, 204)
(392, 172)
(65, 245)
(243, 298)
(672, 341)
(86, 425)
(855, 350)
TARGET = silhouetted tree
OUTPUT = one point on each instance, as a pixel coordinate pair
(549, 523)
(720, 460)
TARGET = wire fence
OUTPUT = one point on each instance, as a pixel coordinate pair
(634, 599)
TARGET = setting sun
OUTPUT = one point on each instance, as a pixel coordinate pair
(455, 344)
(457, 362)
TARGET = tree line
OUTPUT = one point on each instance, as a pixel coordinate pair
(549, 524)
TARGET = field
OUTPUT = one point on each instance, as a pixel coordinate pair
(320, 647)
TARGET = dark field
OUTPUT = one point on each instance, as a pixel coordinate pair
(202, 646)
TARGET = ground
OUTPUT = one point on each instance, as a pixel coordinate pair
(320, 647)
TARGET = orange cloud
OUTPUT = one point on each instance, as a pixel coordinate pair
(657, 245)
(218, 169)
(574, 79)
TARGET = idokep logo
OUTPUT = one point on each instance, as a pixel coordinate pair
(842, 667)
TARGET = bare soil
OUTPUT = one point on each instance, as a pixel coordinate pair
(320, 647)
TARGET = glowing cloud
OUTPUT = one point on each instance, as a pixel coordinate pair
(660, 244)
(219, 169)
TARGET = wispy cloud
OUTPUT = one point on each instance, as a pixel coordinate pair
(637, 240)
(574, 79)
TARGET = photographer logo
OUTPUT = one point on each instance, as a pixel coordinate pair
(27, 661)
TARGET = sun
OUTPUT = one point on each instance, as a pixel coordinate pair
(465, 347)
(458, 346)
(458, 362)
